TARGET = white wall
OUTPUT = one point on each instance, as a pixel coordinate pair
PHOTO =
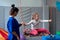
(2, 22)
(25, 3)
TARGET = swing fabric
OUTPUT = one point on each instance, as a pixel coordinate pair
(3, 34)
(36, 31)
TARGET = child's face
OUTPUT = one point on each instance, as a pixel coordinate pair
(37, 17)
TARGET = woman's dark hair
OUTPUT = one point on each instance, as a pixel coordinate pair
(13, 9)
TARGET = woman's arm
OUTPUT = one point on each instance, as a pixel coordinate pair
(20, 25)
(14, 33)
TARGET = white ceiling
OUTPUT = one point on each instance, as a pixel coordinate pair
(25, 3)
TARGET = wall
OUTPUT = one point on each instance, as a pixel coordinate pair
(24, 3)
(2, 14)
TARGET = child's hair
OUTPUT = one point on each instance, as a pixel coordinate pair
(13, 9)
(34, 15)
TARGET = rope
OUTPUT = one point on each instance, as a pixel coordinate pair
(50, 9)
(22, 18)
(51, 13)
(21, 12)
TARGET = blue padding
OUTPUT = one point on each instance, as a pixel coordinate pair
(56, 37)
(46, 38)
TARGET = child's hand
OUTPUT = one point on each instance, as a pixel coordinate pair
(23, 23)
(50, 20)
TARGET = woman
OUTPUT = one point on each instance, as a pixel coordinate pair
(13, 25)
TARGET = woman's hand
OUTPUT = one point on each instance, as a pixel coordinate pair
(18, 38)
(23, 23)
(14, 33)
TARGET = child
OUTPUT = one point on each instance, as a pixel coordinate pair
(13, 25)
(35, 21)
